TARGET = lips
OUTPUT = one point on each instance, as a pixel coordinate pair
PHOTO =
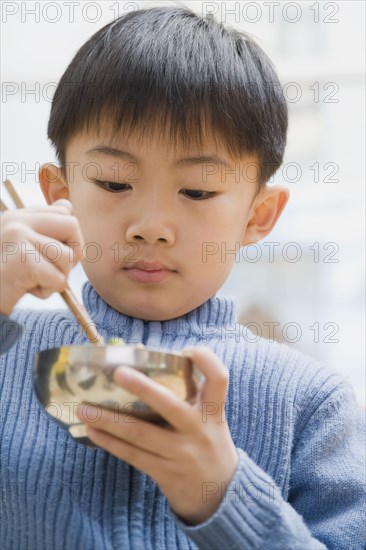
(148, 266)
(149, 272)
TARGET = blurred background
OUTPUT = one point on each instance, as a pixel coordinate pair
(304, 284)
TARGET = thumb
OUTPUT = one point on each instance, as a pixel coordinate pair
(217, 376)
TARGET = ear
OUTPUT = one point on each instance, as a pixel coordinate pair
(265, 212)
(53, 183)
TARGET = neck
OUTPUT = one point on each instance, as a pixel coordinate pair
(215, 313)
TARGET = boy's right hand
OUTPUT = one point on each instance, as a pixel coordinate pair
(39, 247)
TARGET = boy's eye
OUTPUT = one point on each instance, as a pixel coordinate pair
(111, 186)
(198, 195)
(119, 187)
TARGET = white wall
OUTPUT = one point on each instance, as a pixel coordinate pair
(309, 43)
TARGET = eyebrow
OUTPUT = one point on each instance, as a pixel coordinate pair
(124, 155)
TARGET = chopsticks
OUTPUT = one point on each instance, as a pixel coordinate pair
(68, 295)
(14, 195)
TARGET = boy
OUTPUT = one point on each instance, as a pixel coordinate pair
(151, 121)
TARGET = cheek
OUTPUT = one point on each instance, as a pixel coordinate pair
(86, 207)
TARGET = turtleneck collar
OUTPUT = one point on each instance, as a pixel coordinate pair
(217, 311)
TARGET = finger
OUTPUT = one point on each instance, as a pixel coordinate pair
(29, 270)
(61, 206)
(57, 226)
(215, 372)
(54, 221)
(148, 463)
(61, 255)
(37, 246)
(42, 278)
(135, 431)
(63, 203)
(177, 412)
(42, 293)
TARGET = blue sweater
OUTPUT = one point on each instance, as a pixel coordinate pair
(299, 431)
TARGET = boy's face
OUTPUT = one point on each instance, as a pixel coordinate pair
(156, 217)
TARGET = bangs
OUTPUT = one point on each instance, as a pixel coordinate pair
(184, 126)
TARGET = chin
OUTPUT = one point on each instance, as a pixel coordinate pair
(149, 314)
(152, 312)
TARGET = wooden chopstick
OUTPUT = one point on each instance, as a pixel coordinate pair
(14, 195)
(68, 295)
(83, 317)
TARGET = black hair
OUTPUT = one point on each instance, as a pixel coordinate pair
(167, 72)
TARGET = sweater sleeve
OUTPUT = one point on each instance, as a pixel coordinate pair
(326, 507)
(10, 331)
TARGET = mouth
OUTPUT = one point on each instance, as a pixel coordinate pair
(148, 272)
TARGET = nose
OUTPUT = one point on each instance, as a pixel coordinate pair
(152, 223)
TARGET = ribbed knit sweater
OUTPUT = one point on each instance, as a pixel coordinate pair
(298, 429)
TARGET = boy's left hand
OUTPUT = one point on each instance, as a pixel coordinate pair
(193, 461)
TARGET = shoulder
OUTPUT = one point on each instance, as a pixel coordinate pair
(32, 316)
(261, 357)
(280, 374)
(42, 319)
(313, 380)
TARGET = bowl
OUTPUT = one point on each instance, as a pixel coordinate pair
(66, 376)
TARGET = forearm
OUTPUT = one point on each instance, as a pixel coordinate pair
(327, 495)
(252, 514)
